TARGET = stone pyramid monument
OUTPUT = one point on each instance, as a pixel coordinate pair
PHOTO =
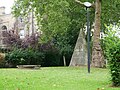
(79, 57)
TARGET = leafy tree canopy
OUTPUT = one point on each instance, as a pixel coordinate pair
(56, 16)
(62, 19)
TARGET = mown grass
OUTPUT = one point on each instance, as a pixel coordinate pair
(55, 78)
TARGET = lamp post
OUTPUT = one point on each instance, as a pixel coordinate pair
(88, 5)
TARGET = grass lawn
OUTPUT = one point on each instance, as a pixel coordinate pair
(55, 78)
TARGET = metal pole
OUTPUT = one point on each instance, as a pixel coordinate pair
(88, 38)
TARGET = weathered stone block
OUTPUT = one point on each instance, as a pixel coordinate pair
(2, 57)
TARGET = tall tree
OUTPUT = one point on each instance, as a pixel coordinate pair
(97, 53)
(107, 13)
(107, 8)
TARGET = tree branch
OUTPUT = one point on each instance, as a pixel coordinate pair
(82, 4)
(93, 5)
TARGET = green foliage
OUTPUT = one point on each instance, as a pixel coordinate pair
(59, 20)
(114, 62)
(56, 16)
(45, 55)
(112, 53)
(14, 57)
(110, 11)
(31, 56)
(52, 58)
(27, 56)
(51, 54)
(3, 50)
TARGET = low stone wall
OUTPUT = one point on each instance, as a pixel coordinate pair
(2, 57)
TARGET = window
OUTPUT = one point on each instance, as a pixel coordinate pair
(22, 34)
(4, 27)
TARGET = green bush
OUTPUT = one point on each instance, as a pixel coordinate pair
(112, 54)
(52, 55)
(52, 58)
(21, 56)
(31, 56)
(14, 57)
(114, 63)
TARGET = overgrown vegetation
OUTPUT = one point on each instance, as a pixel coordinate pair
(24, 56)
(60, 21)
(112, 53)
(30, 51)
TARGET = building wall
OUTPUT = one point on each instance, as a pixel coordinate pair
(6, 20)
(2, 10)
(19, 25)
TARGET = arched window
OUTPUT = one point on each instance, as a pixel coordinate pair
(4, 27)
(4, 31)
(22, 34)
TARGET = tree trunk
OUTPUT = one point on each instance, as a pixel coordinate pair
(97, 54)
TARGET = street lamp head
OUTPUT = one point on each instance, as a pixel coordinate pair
(87, 4)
